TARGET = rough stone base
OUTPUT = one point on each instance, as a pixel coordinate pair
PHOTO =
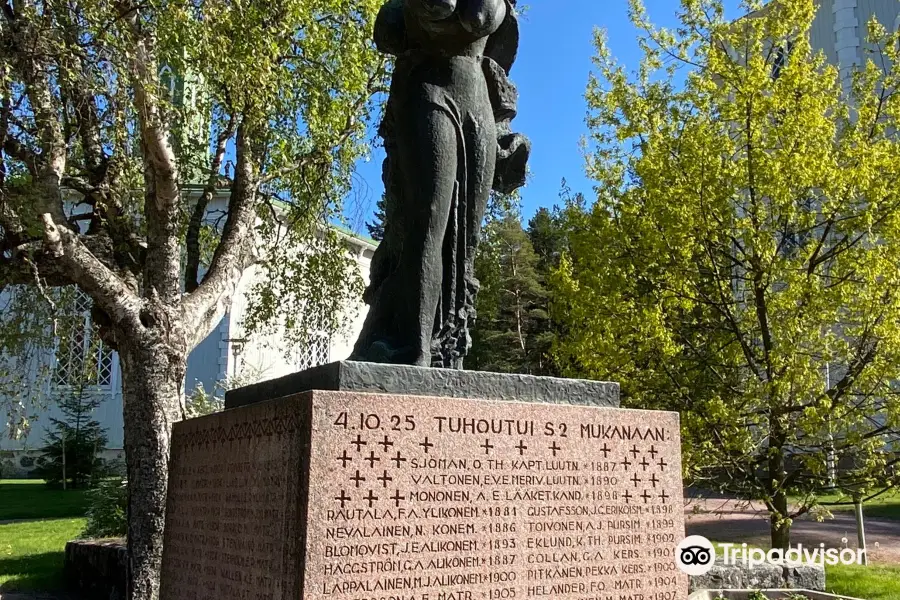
(739, 577)
(96, 569)
(351, 376)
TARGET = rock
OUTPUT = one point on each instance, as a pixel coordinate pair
(741, 577)
(97, 568)
(809, 577)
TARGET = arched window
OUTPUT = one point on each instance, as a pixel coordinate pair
(167, 80)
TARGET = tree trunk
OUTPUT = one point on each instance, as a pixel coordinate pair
(152, 386)
(781, 527)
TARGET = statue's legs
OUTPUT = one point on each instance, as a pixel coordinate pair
(443, 151)
(429, 148)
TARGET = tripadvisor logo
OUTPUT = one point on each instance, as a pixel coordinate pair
(696, 555)
(752, 557)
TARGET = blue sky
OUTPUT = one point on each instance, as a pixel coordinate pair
(551, 73)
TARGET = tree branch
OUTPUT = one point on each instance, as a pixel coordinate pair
(205, 306)
(192, 262)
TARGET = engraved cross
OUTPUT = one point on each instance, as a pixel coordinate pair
(370, 498)
(487, 445)
(634, 451)
(664, 496)
(555, 448)
(343, 498)
(385, 478)
(653, 452)
(372, 459)
(626, 463)
(357, 478)
(662, 464)
(654, 480)
(522, 447)
(636, 480)
(426, 444)
(644, 463)
(646, 496)
(398, 459)
(344, 459)
(627, 495)
(386, 443)
(397, 497)
(605, 450)
(359, 443)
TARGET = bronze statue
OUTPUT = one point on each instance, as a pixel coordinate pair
(448, 141)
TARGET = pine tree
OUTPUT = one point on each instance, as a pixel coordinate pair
(510, 333)
(376, 226)
(71, 447)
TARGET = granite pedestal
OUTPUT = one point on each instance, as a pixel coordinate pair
(350, 496)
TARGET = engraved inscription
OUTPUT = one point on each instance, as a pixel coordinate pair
(461, 500)
(414, 498)
(227, 506)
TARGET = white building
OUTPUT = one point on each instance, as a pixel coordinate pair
(840, 29)
(227, 354)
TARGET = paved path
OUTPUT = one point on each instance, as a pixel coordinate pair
(732, 521)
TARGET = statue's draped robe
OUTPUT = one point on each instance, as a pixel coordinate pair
(447, 139)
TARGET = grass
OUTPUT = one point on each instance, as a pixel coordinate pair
(871, 583)
(884, 507)
(32, 499)
(31, 553)
(32, 548)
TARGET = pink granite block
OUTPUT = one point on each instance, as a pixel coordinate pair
(352, 496)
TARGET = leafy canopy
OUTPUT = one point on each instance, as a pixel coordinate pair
(740, 263)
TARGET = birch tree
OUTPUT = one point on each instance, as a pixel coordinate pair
(741, 263)
(120, 124)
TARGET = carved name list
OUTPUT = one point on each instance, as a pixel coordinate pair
(428, 499)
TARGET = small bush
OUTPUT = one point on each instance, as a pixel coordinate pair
(108, 503)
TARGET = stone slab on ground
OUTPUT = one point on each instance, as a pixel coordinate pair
(350, 495)
(96, 569)
(352, 376)
(766, 576)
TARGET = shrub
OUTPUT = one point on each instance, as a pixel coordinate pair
(108, 503)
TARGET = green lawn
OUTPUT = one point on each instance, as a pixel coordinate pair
(32, 499)
(870, 583)
(31, 550)
(31, 553)
(885, 507)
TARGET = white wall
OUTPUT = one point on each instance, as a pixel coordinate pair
(268, 355)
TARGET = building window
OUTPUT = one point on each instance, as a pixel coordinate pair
(782, 53)
(82, 359)
(167, 80)
(317, 351)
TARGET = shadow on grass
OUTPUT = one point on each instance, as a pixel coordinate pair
(34, 572)
(29, 499)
